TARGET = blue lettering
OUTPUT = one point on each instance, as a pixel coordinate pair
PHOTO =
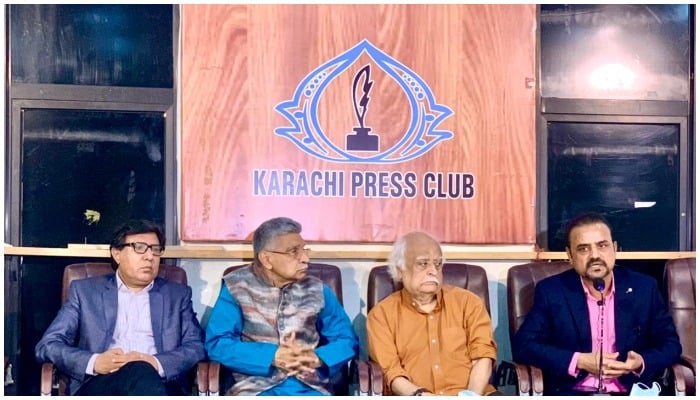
(410, 181)
(370, 184)
(355, 182)
(302, 184)
(448, 185)
(334, 183)
(259, 187)
(316, 189)
(428, 190)
(274, 185)
(383, 184)
(287, 183)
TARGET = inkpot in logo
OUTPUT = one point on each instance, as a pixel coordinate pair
(362, 140)
(419, 135)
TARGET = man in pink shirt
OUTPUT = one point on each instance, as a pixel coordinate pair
(596, 308)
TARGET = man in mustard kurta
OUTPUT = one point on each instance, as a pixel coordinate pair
(430, 338)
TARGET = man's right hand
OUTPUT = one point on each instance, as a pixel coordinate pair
(110, 361)
(294, 358)
(589, 361)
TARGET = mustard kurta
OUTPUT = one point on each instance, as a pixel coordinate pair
(433, 350)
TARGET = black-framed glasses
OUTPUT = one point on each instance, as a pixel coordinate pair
(296, 252)
(141, 247)
(422, 264)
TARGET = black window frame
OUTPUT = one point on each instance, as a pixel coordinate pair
(21, 96)
(550, 109)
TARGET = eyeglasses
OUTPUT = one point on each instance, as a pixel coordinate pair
(296, 252)
(141, 247)
(423, 264)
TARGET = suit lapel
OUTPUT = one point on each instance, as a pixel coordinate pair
(157, 312)
(624, 310)
(578, 308)
(110, 302)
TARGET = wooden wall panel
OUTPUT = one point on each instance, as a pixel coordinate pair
(240, 61)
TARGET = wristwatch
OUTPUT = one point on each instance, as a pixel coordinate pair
(420, 391)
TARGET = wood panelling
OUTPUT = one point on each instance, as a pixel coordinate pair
(240, 61)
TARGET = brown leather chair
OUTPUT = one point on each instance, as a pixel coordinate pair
(679, 282)
(520, 283)
(381, 285)
(51, 379)
(357, 374)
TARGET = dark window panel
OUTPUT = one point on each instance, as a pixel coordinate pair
(628, 172)
(103, 45)
(75, 161)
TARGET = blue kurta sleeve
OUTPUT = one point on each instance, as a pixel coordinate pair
(224, 344)
(339, 344)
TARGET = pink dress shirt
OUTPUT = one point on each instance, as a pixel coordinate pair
(590, 382)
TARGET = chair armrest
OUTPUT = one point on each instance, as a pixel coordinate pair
(367, 376)
(522, 374)
(377, 378)
(678, 379)
(360, 376)
(203, 378)
(46, 379)
(213, 374)
(536, 380)
(688, 361)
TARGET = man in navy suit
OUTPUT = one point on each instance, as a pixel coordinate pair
(596, 308)
(128, 333)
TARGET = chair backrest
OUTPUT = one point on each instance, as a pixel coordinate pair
(470, 277)
(679, 282)
(88, 270)
(521, 282)
(329, 274)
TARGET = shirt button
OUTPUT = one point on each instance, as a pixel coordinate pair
(437, 366)
(431, 317)
(441, 392)
(433, 340)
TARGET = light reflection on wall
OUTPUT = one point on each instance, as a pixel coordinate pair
(613, 51)
(612, 77)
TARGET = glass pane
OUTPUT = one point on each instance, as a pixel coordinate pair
(615, 51)
(104, 45)
(79, 163)
(628, 172)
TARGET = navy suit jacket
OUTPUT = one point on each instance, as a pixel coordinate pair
(558, 325)
(86, 321)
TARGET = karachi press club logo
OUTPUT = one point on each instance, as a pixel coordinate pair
(362, 144)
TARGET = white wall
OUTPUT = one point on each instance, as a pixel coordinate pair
(204, 277)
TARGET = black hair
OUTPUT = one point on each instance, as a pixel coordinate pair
(585, 219)
(134, 227)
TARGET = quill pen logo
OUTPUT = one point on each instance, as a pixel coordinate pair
(362, 145)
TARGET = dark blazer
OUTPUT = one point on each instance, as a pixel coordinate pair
(558, 325)
(86, 321)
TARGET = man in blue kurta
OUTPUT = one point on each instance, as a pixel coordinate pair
(279, 330)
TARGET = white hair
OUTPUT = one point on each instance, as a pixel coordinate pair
(397, 258)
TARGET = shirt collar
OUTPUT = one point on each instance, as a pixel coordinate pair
(408, 301)
(592, 296)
